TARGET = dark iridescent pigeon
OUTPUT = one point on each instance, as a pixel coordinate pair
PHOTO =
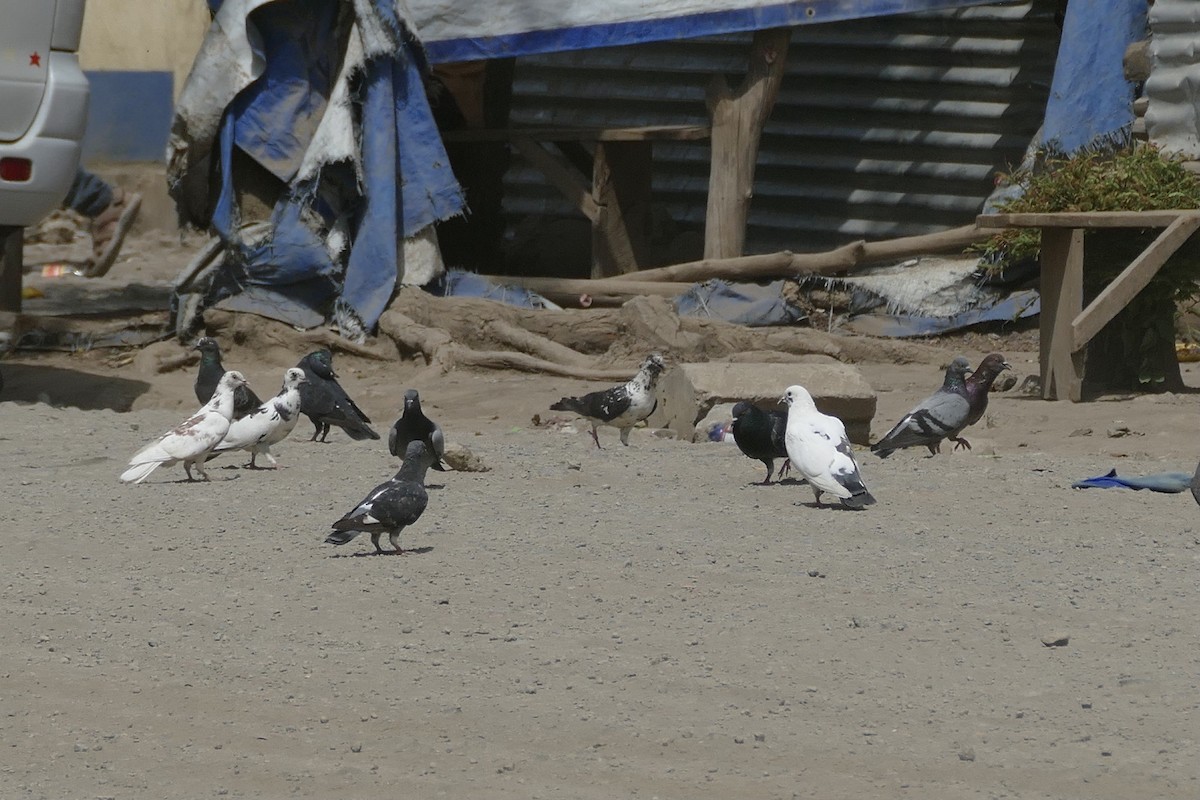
(759, 434)
(209, 375)
(414, 426)
(391, 506)
(978, 387)
(942, 415)
(325, 402)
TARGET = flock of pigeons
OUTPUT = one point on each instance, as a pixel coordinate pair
(234, 418)
(814, 444)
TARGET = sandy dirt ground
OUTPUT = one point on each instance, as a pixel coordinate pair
(574, 623)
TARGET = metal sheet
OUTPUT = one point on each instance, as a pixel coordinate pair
(884, 127)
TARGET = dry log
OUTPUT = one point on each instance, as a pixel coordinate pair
(787, 264)
(534, 344)
(570, 292)
(443, 354)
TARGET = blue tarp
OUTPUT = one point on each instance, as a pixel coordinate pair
(1166, 482)
(1090, 101)
(337, 227)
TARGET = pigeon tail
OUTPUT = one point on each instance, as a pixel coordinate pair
(359, 431)
(139, 472)
(859, 500)
(341, 536)
(571, 404)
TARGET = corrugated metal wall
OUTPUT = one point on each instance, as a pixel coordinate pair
(884, 127)
(1174, 81)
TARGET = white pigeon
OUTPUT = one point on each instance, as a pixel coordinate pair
(192, 440)
(819, 450)
(268, 424)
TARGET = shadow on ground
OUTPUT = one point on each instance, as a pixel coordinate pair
(31, 383)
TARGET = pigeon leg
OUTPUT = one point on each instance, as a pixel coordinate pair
(316, 431)
(187, 467)
(817, 494)
(324, 431)
(199, 468)
(596, 438)
(395, 537)
(625, 436)
(770, 464)
(375, 540)
(960, 442)
(786, 468)
(934, 448)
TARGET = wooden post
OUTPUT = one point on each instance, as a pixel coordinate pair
(1062, 300)
(737, 122)
(12, 240)
(621, 191)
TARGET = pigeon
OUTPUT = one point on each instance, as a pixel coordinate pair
(391, 506)
(412, 426)
(193, 439)
(978, 387)
(621, 406)
(942, 415)
(759, 434)
(819, 450)
(1195, 485)
(325, 402)
(268, 424)
(209, 374)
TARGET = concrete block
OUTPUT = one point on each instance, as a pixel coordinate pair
(687, 392)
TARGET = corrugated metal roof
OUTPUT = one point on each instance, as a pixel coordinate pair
(884, 127)
(1173, 87)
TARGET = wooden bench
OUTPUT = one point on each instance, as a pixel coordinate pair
(1066, 326)
(620, 166)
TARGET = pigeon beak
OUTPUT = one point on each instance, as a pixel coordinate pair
(1005, 366)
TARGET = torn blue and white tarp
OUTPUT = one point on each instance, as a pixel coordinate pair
(317, 111)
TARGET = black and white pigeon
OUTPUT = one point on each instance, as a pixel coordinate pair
(760, 435)
(268, 424)
(819, 450)
(391, 506)
(942, 415)
(621, 406)
(979, 386)
(209, 374)
(414, 426)
(325, 402)
(192, 440)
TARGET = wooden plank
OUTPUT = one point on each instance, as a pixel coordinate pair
(12, 241)
(738, 117)
(1132, 280)
(1062, 299)
(1085, 219)
(621, 191)
(573, 185)
(676, 133)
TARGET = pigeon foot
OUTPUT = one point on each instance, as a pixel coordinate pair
(961, 443)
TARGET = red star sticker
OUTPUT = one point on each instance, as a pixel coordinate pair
(35, 60)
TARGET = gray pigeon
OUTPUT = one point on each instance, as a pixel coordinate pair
(391, 506)
(942, 415)
(413, 426)
(1195, 485)
(620, 407)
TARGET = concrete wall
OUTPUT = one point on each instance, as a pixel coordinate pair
(137, 54)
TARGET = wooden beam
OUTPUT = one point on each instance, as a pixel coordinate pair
(565, 179)
(1132, 280)
(1085, 219)
(677, 133)
(621, 190)
(12, 242)
(1062, 298)
(737, 122)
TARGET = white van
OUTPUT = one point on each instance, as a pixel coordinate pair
(43, 106)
